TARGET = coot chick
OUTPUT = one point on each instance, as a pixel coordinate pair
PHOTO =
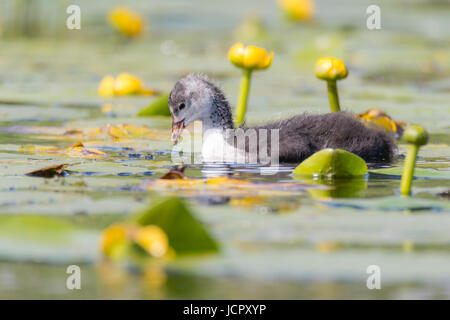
(195, 97)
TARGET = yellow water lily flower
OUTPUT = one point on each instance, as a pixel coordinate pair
(385, 122)
(153, 240)
(124, 84)
(300, 10)
(381, 119)
(250, 57)
(106, 87)
(330, 68)
(113, 236)
(127, 84)
(126, 21)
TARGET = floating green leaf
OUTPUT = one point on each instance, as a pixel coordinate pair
(332, 163)
(158, 107)
(418, 173)
(186, 234)
(393, 203)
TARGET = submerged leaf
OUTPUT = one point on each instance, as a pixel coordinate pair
(267, 204)
(186, 234)
(332, 163)
(223, 186)
(80, 151)
(77, 150)
(125, 131)
(158, 107)
(57, 170)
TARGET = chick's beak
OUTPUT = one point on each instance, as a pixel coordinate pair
(177, 129)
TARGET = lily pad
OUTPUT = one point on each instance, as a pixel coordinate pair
(186, 234)
(392, 203)
(332, 163)
(158, 107)
(423, 173)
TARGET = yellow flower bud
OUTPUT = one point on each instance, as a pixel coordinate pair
(127, 84)
(300, 10)
(153, 239)
(106, 87)
(126, 21)
(251, 57)
(330, 69)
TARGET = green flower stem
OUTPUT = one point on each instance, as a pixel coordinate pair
(333, 96)
(243, 97)
(408, 170)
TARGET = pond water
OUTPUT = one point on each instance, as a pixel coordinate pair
(293, 242)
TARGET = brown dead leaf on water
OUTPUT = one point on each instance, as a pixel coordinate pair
(444, 194)
(176, 173)
(57, 170)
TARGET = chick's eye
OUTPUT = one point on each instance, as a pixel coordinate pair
(181, 106)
